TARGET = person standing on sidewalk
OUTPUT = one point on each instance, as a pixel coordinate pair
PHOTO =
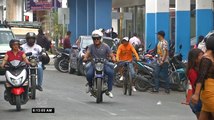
(205, 83)
(67, 43)
(161, 68)
(194, 58)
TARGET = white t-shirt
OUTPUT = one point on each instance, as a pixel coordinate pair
(35, 49)
(134, 40)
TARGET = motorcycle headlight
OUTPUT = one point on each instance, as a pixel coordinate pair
(33, 62)
(16, 82)
(99, 66)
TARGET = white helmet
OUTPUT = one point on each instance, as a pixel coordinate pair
(97, 33)
(126, 39)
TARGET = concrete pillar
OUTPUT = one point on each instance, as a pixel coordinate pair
(150, 37)
(103, 9)
(73, 20)
(87, 15)
(162, 17)
(204, 17)
(14, 10)
(90, 16)
(182, 34)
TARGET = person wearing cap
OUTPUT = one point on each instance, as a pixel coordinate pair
(162, 66)
(15, 53)
(124, 53)
(99, 50)
(205, 83)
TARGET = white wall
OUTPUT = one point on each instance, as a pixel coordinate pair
(30, 14)
(64, 3)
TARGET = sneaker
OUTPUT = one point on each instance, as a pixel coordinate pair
(167, 91)
(109, 94)
(154, 90)
(133, 89)
(39, 88)
(88, 89)
(121, 78)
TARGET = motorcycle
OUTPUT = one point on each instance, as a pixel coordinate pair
(33, 75)
(99, 81)
(61, 60)
(16, 84)
(177, 76)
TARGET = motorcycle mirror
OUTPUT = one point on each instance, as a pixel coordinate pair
(43, 49)
(74, 46)
(29, 54)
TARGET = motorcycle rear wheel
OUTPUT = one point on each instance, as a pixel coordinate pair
(141, 85)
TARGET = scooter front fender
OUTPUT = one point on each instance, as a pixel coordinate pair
(17, 91)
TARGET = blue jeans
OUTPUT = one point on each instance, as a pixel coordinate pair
(131, 68)
(40, 74)
(161, 71)
(108, 70)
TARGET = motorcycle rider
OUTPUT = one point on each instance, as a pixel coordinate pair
(99, 50)
(124, 53)
(15, 53)
(36, 50)
(162, 66)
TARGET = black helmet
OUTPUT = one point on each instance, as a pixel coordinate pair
(210, 41)
(45, 58)
(29, 35)
(13, 41)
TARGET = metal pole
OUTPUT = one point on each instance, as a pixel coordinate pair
(55, 7)
(23, 10)
(63, 27)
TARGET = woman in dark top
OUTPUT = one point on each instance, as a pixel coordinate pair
(205, 82)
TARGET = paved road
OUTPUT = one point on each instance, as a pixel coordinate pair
(66, 93)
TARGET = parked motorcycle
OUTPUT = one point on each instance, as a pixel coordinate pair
(99, 81)
(61, 60)
(177, 76)
(16, 84)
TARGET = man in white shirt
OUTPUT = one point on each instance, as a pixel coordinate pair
(36, 50)
(135, 40)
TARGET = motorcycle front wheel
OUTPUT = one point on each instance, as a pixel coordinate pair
(33, 87)
(18, 103)
(99, 91)
(61, 64)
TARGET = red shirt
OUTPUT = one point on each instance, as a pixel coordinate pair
(192, 76)
(12, 56)
(66, 43)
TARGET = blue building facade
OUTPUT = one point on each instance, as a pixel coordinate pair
(88, 15)
(149, 16)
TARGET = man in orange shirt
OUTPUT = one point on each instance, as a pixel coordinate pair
(124, 53)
